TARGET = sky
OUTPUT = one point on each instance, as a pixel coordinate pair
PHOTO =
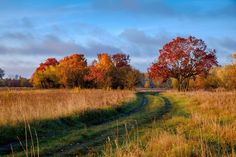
(32, 31)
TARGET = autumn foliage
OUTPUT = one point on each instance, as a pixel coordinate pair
(120, 60)
(45, 75)
(222, 77)
(218, 78)
(183, 59)
(99, 71)
(183, 63)
(73, 71)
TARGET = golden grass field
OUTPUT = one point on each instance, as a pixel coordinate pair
(20, 105)
(199, 124)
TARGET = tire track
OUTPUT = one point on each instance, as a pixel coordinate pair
(101, 138)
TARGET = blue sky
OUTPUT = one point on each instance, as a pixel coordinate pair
(32, 31)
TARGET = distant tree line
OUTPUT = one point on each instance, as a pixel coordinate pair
(17, 81)
(183, 64)
(106, 71)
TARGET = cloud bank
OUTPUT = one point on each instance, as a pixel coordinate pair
(32, 32)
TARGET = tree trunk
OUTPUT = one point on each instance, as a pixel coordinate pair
(179, 84)
(183, 84)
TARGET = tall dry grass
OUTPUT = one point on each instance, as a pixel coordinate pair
(214, 114)
(200, 124)
(28, 105)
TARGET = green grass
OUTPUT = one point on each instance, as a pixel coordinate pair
(176, 133)
(92, 139)
(88, 132)
(155, 123)
(50, 132)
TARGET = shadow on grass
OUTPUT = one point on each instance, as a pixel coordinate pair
(95, 137)
(57, 127)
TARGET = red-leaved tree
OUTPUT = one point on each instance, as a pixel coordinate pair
(183, 59)
(47, 63)
(120, 60)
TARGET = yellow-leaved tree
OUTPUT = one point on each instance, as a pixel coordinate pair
(45, 76)
(223, 76)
